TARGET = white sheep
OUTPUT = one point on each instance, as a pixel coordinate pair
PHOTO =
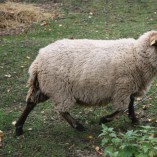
(92, 72)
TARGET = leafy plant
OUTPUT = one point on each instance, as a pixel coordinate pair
(133, 143)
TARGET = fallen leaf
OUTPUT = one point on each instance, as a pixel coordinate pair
(13, 123)
(152, 120)
(146, 106)
(30, 129)
(1, 133)
(98, 150)
(28, 57)
(90, 137)
(1, 138)
(44, 23)
(42, 112)
(152, 135)
(8, 75)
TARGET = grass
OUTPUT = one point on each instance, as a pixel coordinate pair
(50, 136)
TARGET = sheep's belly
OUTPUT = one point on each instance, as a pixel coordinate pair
(102, 102)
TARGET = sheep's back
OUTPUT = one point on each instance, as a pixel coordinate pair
(86, 68)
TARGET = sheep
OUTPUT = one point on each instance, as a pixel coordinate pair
(92, 72)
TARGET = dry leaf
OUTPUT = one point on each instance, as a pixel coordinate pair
(30, 129)
(90, 137)
(13, 123)
(98, 150)
(1, 133)
(44, 23)
(152, 135)
(28, 57)
(1, 138)
(8, 76)
(139, 98)
(42, 112)
(145, 107)
(152, 120)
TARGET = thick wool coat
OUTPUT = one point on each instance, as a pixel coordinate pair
(95, 72)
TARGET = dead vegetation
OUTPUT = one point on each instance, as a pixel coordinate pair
(17, 17)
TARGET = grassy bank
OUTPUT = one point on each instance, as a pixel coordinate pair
(50, 135)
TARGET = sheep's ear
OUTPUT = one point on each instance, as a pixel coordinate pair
(153, 40)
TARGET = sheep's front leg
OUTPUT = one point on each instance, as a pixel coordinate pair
(131, 114)
(19, 124)
(109, 118)
(76, 125)
(120, 101)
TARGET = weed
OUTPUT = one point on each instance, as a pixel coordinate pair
(134, 143)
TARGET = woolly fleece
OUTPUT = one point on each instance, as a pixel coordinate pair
(95, 72)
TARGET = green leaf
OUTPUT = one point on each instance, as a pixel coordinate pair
(142, 155)
(109, 150)
(104, 141)
(129, 133)
(139, 143)
(116, 140)
(145, 149)
(125, 154)
(113, 135)
(152, 154)
(110, 129)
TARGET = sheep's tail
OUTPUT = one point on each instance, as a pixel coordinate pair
(34, 95)
(33, 83)
(33, 70)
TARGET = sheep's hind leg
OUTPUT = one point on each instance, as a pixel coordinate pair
(19, 124)
(39, 97)
(109, 118)
(131, 114)
(76, 125)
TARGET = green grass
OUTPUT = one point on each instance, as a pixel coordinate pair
(51, 136)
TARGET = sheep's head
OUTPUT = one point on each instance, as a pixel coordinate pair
(153, 40)
(152, 49)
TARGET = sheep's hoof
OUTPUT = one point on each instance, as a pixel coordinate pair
(79, 127)
(19, 131)
(104, 120)
(135, 121)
